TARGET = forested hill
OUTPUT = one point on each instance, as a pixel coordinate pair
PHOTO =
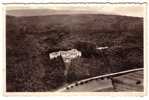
(29, 40)
(86, 27)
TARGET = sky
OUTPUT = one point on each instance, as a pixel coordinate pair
(137, 10)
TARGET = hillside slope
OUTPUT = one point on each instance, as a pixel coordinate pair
(29, 40)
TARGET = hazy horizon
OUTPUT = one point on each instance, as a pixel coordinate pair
(123, 10)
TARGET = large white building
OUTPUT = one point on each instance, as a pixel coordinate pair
(66, 55)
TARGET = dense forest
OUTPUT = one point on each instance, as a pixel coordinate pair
(29, 40)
